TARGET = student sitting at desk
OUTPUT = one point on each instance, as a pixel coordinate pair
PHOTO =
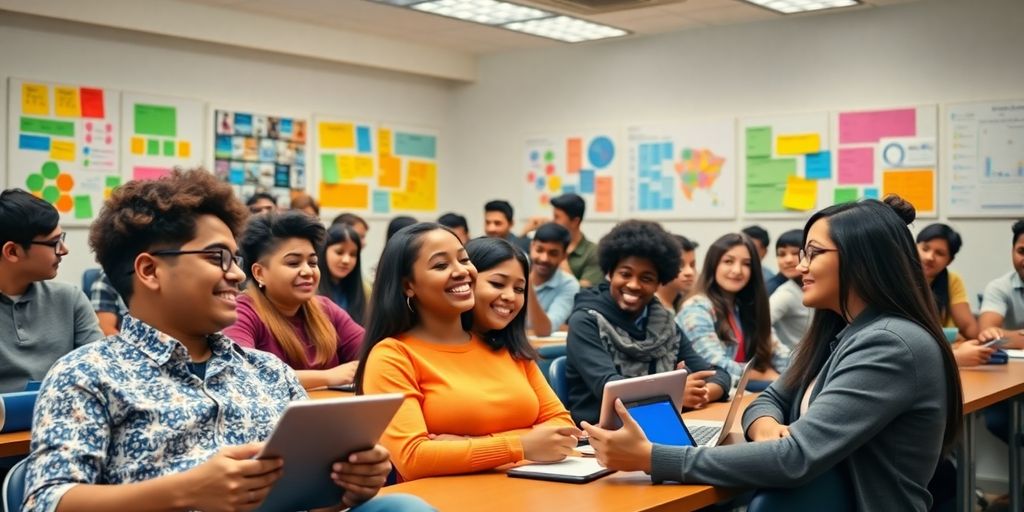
(341, 273)
(552, 290)
(620, 330)
(873, 395)
(727, 318)
(475, 399)
(790, 318)
(672, 293)
(280, 311)
(169, 414)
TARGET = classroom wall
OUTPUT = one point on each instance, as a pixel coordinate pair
(45, 49)
(930, 51)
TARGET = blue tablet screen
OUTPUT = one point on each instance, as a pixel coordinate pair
(660, 423)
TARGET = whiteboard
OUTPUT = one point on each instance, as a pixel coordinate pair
(584, 162)
(983, 154)
(161, 133)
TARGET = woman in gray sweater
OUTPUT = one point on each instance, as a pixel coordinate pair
(872, 393)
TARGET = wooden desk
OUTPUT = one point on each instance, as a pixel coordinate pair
(492, 490)
(14, 443)
(990, 384)
(543, 341)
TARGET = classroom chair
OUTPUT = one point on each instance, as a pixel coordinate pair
(88, 278)
(547, 354)
(830, 491)
(14, 488)
(556, 376)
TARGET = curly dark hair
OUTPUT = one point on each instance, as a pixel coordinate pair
(642, 239)
(145, 215)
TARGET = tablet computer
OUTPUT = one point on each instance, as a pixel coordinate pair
(660, 421)
(314, 434)
(575, 470)
(671, 384)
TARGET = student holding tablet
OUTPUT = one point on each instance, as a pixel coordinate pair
(872, 394)
(280, 311)
(619, 329)
(453, 342)
(169, 414)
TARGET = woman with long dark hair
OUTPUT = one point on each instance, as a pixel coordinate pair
(451, 338)
(341, 270)
(727, 317)
(872, 398)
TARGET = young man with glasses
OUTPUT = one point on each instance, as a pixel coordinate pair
(169, 414)
(40, 320)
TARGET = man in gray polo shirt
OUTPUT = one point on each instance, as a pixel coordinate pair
(40, 321)
(1003, 302)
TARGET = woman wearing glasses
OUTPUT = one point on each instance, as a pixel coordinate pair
(872, 397)
(280, 311)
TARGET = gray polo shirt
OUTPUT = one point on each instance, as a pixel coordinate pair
(1005, 295)
(48, 321)
(556, 296)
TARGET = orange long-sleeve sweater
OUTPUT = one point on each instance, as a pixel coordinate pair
(461, 389)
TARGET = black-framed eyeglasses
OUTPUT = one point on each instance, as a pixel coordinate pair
(226, 258)
(57, 244)
(812, 252)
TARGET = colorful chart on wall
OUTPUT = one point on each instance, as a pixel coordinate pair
(785, 164)
(161, 133)
(376, 169)
(63, 145)
(882, 152)
(260, 153)
(682, 171)
(585, 163)
(984, 151)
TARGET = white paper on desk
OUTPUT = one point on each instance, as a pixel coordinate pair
(1015, 353)
(571, 466)
(558, 335)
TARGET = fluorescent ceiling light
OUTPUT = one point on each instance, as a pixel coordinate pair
(520, 18)
(795, 6)
(565, 28)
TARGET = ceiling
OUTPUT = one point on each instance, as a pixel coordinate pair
(416, 27)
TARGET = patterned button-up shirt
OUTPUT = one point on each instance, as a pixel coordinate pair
(127, 409)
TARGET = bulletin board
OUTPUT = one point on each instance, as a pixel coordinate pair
(984, 152)
(161, 133)
(257, 152)
(582, 162)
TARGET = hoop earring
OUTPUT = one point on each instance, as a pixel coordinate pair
(408, 304)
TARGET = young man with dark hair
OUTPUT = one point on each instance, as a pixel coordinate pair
(787, 257)
(673, 293)
(40, 320)
(261, 202)
(1003, 302)
(582, 259)
(498, 220)
(761, 241)
(456, 223)
(552, 289)
(169, 414)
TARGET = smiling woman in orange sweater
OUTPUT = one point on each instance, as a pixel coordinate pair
(475, 399)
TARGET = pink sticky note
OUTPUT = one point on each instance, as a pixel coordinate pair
(856, 166)
(149, 173)
(857, 127)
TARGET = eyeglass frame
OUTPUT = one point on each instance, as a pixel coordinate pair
(232, 258)
(809, 256)
(55, 244)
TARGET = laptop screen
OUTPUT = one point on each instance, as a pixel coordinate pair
(660, 421)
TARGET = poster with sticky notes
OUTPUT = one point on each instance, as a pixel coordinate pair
(64, 145)
(584, 162)
(681, 171)
(161, 133)
(874, 147)
(260, 152)
(785, 164)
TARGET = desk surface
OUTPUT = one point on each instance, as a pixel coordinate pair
(991, 383)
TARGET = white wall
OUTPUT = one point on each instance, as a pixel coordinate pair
(44, 49)
(931, 51)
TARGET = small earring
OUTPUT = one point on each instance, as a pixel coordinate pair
(259, 285)
(408, 304)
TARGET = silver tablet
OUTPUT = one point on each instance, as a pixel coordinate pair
(671, 384)
(314, 434)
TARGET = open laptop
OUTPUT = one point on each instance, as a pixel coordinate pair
(711, 432)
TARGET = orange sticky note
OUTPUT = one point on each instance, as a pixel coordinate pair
(390, 172)
(66, 102)
(345, 195)
(384, 142)
(574, 155)
(35, 99)
(138, 146)
(603, 193)
(801, 194)
(63, 150)
(914, 185)
(184, 149)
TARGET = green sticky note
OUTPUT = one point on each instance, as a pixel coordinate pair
(51, 194)
(329, 169)
(47, 126)
(759, 141)
(770, 171)
(50, 170)
(765, 198)
(168, 148)
(83, 207)
(156, 120)
(113, 181)
(35, 182)
(152, 147)
(845, 195)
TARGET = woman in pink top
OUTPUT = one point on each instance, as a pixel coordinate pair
(280, 311)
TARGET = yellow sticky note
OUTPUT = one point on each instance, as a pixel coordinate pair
(420, 191)
(138, 146)
(390, 172)
(384, 142)
(801, 194)
(345, 195)
(35, 99)
(798, 144)
(184, 149)
(337, 135)
(347, 167)
(555, 184)
(363, 167)
(66, 102)
(914, 185)
(62, 150)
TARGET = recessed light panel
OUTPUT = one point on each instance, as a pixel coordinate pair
(795, 6)
(566, 28)
(487, 12)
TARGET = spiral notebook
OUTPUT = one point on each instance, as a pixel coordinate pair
(577, 470)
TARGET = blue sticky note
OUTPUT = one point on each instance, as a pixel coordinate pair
(666, 150)
(381, 201)
(34, 142)
(645, 196)
(363, 139)
(871, 193)
(645, 156)
(237, 173)
(666, 203)
(818, 166)
(586, 181)
(284, 129)
(415, 144)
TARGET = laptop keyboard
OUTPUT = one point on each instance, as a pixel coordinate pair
(702, 435)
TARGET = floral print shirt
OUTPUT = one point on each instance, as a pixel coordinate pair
(128, 409)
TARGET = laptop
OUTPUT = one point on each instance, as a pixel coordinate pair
(712, 432)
